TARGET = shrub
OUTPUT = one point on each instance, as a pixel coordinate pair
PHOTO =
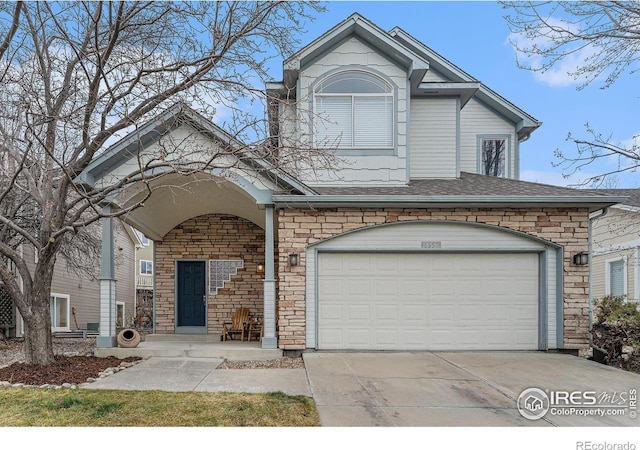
(616, 330)
(613, 309)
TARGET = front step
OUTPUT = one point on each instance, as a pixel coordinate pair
(194, 338)
(192, 346)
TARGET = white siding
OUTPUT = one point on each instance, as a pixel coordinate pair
(362, 167)
(599, 272)
(476, 119)
(433, 144)
(433, 76)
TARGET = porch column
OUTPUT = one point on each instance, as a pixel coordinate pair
(107, 334)
(269, 339)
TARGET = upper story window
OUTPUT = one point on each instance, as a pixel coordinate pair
(146, 267)
(493, 156)
(354, 110)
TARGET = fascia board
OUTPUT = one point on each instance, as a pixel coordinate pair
(439, 62)
(464, 90)
(507, 109)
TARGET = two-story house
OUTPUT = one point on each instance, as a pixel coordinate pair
(418, 236)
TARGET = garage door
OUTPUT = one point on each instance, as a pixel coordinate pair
(395, 301)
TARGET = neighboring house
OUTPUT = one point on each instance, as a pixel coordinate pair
(144, 281)
(422, 237)
(75, 298)
(615, 248)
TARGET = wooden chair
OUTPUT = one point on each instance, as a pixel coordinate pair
(255, 329)
(237, 325)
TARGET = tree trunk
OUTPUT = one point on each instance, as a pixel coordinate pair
(38, 343)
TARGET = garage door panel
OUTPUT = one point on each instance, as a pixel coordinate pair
(359, 338)
(497, 313)
(356, 313)
(330, 312)
(414, 313)
(442, 288)
(439, 313)
(431, 301)
(386, 287)
(470, 313)
(358, 288)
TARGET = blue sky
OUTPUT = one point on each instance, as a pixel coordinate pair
(475, 36)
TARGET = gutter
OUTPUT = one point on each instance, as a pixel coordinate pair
(591, 219)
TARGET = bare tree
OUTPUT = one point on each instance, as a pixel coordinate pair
(493, 153)
(77, 75)
(602, 41)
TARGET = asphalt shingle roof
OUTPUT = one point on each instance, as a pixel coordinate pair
(468, 184)
(633, 194)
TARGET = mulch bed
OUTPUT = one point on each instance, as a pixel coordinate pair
(66, 369)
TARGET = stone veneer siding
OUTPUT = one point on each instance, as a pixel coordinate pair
(299, 228)
(211, 237)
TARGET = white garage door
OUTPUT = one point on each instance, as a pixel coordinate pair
(393, 301)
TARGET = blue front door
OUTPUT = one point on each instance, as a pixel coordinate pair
(192, 295)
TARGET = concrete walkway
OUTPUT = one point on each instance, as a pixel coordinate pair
(182, 374)
(387, 389)
(456, 389)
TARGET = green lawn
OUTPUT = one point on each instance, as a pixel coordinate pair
(97, 408)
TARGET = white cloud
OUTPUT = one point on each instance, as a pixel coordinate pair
(554, 178)
(560, 72)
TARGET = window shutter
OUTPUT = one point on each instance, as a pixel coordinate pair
(333, 122)
(616, 281)
(373, 122)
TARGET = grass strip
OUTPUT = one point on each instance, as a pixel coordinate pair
(23, 407)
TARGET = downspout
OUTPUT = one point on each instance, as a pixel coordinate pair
(591, 219)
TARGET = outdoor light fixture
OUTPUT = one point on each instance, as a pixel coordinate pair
(581, 259)
(293, 259)
(260, 268)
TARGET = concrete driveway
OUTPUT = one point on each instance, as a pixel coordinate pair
(466, 389)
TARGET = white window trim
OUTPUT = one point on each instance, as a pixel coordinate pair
(68, 299)
(124, 312)
(607, 277)
(507, 156)
(140, 268)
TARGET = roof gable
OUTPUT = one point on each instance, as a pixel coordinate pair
(166, 122)
(367, 32)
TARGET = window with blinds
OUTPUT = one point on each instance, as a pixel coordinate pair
(616, 278)
(353, 110)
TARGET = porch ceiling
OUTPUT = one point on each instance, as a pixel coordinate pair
(177, 198)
